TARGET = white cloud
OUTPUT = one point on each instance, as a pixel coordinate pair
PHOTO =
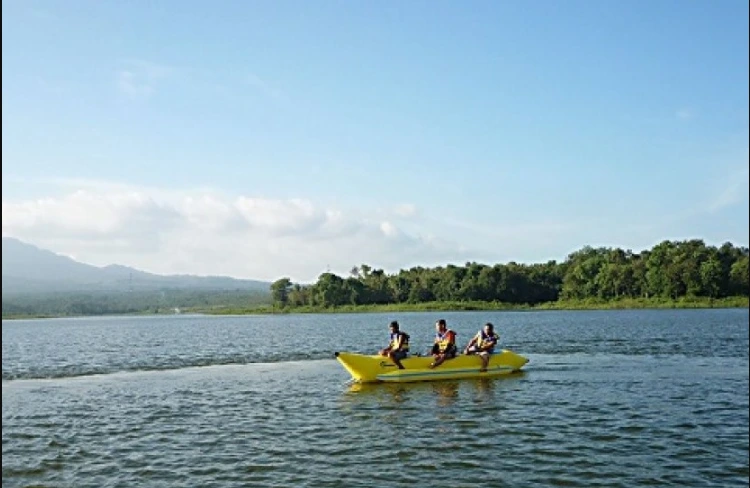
(388, 229)
(280, 217)
(87, 213)
(206, 232)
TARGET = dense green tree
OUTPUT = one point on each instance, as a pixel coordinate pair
(710, 272)
(280, 291)
(331, 291)
(671, 269)
(299, 295)
(739, 276)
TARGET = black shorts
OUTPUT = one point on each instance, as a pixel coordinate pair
(399, 355)
(474, 350)
(449, 353)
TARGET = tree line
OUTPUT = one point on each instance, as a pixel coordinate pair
(669, 270)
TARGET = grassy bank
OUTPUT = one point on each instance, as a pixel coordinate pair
(644, 303)
(590, 304)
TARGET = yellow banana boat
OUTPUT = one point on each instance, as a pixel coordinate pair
(375, 369)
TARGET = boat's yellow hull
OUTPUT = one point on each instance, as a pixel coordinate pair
(374, 369)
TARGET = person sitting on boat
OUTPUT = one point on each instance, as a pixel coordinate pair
(483, 344)
(445, 344)
(398, 348)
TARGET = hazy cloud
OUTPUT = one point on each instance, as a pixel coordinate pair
(128, 219)
(210, 232)
(388, 229)
(207, 232)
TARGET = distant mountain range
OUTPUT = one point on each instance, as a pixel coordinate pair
(29, 269)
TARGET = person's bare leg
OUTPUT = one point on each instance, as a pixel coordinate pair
(397, 362)
(438, 361)
(485, 362)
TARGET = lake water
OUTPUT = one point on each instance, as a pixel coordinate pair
(609, 398)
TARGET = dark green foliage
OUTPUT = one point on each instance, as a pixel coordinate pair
(671, 270)
(739, 276)
(280, 291)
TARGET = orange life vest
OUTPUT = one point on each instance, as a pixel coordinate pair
(445, 340)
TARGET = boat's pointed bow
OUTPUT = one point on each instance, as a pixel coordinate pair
(362, 367)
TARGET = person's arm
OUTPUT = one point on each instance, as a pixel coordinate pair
(492, 343)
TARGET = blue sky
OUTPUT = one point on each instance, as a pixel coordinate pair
(268, 139)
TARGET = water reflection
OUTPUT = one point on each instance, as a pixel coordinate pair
(444, 393)
(403, 396)
(484, 388)
(385, 395)
(447, 393)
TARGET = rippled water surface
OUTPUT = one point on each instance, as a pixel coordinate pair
(616, 398)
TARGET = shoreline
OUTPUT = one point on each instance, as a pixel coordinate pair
(476, 306)
(624, 304)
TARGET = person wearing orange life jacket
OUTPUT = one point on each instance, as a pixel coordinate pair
(398, 348)
(483, 344)
(445, 344)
